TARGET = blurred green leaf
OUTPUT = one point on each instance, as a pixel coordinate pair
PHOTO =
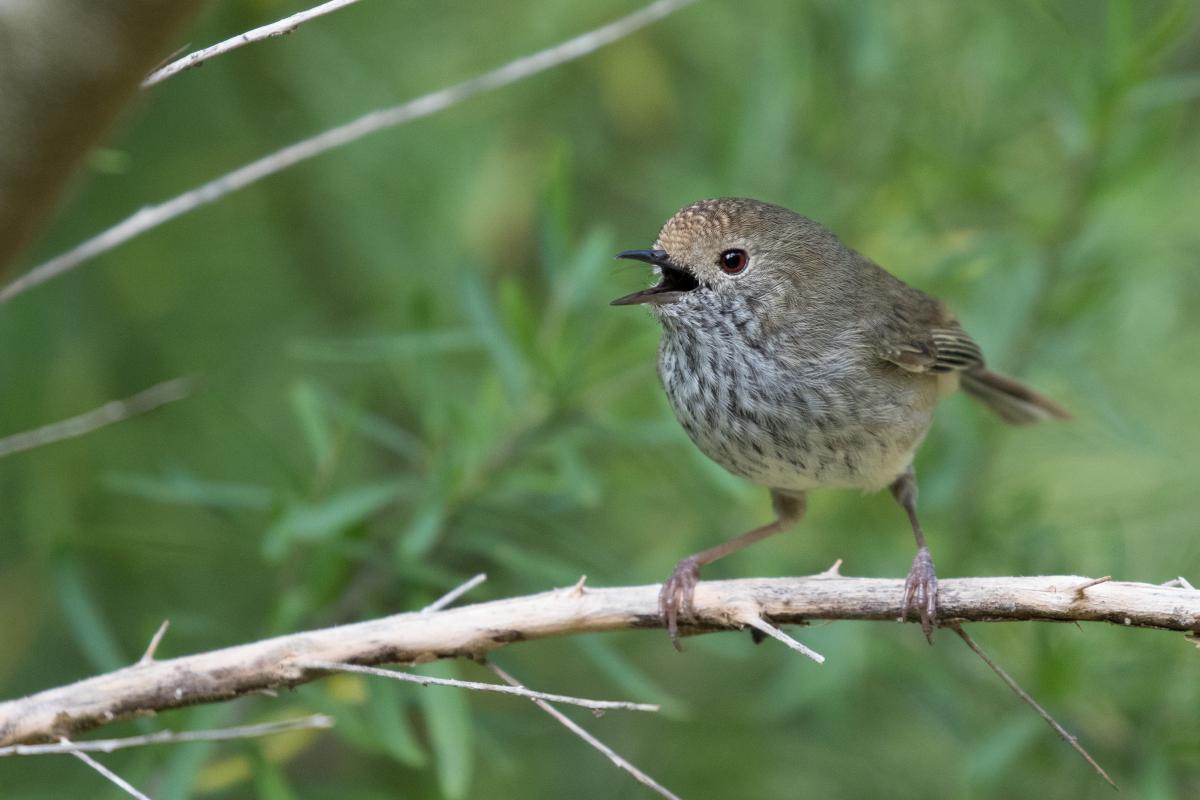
(180, 487)
(306, 402)
(270, 783)
(447, 716)
(366, 349)
(88, 624)
(312, 521)
(633, 681)
(422, 531)
(387, 711)
(510, 363)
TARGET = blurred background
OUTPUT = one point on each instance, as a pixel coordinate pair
(410, 374)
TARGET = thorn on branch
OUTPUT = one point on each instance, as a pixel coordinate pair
(1179, 583)
(152, 648)
(455, 593)
(759, 624)
(1083, 587)
(834, 571)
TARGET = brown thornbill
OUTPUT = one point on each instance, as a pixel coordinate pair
(797, 363)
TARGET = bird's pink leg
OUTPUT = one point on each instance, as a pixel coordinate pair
(675, 597)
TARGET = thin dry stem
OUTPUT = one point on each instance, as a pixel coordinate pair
(152, 216)
(279, 28)
(111, 776)
(579, 731)
(834, 571)
(455, 593)
(426, 680)
(152, 648)
(1025, 697)
(760, 624)
(108, 414)
(315, 721)
(1083, 587)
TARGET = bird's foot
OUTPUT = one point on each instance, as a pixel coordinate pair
(920, 591)
(675, 597)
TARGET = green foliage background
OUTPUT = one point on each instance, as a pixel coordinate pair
(411, 374)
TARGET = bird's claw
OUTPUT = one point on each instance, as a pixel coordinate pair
(920, 591)
(675, 597)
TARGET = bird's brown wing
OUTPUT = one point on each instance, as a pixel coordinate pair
(926, 338)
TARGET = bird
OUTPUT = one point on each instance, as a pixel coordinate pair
(797, 363)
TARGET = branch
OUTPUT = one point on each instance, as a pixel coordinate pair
(152, 216)
(596, 706)
(1026, 698)
(312, 722)
(279, 28)
(110, 413)
(108, 774)
(581, 732)
(67, 67)
(475, 630)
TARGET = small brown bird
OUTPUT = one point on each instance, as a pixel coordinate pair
(797, 363)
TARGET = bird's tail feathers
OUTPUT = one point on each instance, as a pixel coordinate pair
(1011, 400)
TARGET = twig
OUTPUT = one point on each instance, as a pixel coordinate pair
(316, 721)
(279, 28)
(152, 648)
(834, 571)
(1025, 697)
(426, 680)
(1083, 587)
(759, 624)
(108, 414)
(474, 630)
(120, 782)
(575, 728)
(1181, 582)
(152, 216)
(452, 595)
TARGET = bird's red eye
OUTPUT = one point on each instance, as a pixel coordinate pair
(733, 261)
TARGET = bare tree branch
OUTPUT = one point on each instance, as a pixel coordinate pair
(475, 686)
(314, 721)
(1034, 704)
(110, 413)
(152, 216)
(449, 597)
(279, 28)
(475, 630)
(108, 774)
(67, 67)
(582, 733)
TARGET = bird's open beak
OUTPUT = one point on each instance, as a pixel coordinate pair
(675, 281)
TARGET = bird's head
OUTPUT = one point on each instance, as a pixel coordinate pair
(716, 251)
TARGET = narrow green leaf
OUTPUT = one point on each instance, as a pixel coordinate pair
(91, 630)
(314, 424)
(510, 363)
(185, 761)
(269, 781)
(327, 518)
(422, 533)
(383, 348)
(447, 716)
(634, 682)
(374, 427)
(386, 710)
(183, 489)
